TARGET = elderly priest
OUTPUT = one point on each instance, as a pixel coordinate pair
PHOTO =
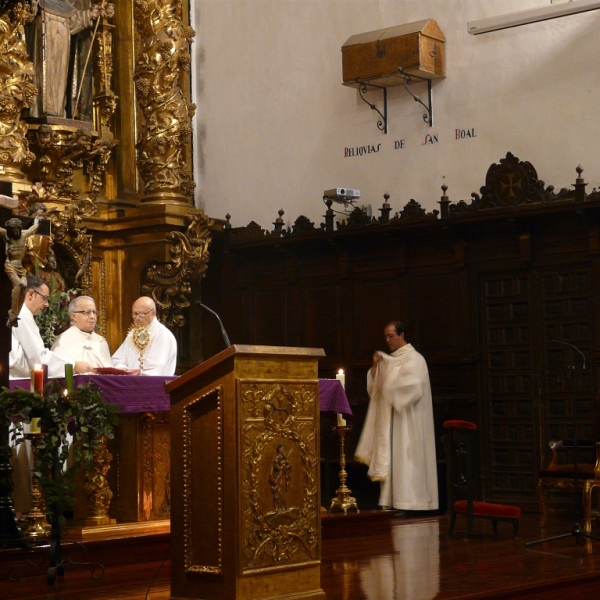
(80, 341)
(149, 345)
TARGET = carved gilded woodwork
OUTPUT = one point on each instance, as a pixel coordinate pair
(169, 284)
(214, 400)
(70, 164)
(17, 92)
(280, 466)
(162, 63)
(96, 485)
(140, 472)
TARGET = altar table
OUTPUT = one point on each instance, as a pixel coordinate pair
(139, 476)
(139, 394)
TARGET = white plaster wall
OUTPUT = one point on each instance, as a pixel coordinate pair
(273, 117)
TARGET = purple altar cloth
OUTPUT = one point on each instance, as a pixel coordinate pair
(147, 394)
(332, 397)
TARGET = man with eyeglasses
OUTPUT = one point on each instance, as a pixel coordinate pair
(27, 345)
(398, 439)
(160, 350)
(80, 341)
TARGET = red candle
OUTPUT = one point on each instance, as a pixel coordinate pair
(38, 378)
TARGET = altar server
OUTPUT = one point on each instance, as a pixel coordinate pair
(27, 345)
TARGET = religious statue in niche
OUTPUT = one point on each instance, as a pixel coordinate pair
(16, 246)
(49, 44)
(280, 478)
(50, 274)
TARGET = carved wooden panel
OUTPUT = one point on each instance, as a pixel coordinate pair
(509, 375)
(324, 305)
(568, 316)
(203, 500)
(280, 468)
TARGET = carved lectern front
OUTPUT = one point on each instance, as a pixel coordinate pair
(245, 520)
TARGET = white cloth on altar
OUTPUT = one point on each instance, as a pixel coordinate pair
(398, 438)
(160, 357)
(76, 345)
(28, 350)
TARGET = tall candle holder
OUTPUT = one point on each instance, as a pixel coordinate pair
(37, 524)
(343, 501)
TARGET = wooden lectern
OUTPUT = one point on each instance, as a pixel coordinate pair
(245, 506)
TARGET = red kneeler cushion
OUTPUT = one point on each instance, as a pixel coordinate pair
(487, 509)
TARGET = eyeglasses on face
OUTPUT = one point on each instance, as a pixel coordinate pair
(389, 336)
(141, 314)
(44, 297)
(87, 313)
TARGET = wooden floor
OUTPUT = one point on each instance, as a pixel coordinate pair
(415, 562)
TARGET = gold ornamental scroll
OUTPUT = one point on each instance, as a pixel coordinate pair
(162, 64)
(17, 92)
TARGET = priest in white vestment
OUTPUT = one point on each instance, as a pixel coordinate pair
(80, 341)
(398, 439)
(159, 351)
(28, 347)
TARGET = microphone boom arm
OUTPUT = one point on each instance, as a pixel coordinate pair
(223, 332)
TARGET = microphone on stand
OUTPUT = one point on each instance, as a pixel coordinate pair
(223, 332)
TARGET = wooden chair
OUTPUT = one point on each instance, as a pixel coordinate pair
(560, 473)
(460, 459)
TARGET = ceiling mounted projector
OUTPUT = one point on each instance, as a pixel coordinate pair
(532, 15)
(343, 194)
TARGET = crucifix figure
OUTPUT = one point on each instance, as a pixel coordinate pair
(16, 245)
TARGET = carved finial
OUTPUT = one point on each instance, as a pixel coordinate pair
(444, 201)
(385, 210)
(278, 223)
(580, 185)
(228, 223)
(329, 202)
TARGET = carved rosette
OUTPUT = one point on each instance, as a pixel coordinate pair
(169, 284)
(279, 421)
(161, 66)
(17, 91)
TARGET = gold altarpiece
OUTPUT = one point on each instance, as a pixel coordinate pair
(112, 167)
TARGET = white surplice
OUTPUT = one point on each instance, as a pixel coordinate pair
(28, 350)
(398, 439)
(76, 345)
(160, 357)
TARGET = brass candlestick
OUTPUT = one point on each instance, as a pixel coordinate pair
(343, 501)
(37, 523)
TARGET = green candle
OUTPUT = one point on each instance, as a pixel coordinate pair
(69, 377)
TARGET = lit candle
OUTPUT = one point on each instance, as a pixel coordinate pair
(341, 422)
(69, 377)
(34, 425)
(38, 378)
(341, 377)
